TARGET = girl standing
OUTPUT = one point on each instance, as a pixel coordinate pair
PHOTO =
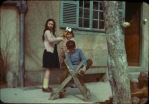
(64, 50)
(50, 54)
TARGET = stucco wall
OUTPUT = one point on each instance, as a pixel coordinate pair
(148, 35)
(37, 14)
(9, 39)
(93, 45)
(145, 38)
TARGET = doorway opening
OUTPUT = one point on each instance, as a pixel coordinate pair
(133, 33)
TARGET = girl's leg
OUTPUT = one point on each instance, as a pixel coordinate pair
(47, 73)
(46, 87)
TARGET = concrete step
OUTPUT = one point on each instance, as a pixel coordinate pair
(133, 76)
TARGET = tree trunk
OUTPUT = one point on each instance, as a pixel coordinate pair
(117, 62)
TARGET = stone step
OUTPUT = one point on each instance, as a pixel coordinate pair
(133, 76)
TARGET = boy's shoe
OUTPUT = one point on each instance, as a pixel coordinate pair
(49, 89)
(62, 94)
(82, 72)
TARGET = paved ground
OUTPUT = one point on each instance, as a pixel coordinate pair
(100, 91)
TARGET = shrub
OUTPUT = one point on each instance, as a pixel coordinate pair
(3, 66)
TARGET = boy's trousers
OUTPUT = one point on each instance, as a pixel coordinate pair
(66, 72)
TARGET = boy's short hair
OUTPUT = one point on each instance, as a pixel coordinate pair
(70, 44)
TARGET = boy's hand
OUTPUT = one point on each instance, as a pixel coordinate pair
(84, 68)
(82, 71)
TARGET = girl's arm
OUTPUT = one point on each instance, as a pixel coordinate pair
(58, 42)
(51, 38)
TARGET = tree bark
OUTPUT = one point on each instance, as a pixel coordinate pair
(117, 61)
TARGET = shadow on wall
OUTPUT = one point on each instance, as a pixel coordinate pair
(3, 66)
(8, 78)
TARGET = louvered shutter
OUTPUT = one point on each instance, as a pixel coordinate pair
(121, 6)
(69, 14)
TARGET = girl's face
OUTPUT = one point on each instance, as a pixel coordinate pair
(69, 36)
(51, 25)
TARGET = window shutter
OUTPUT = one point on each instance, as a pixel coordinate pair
(69, 14)
(121, 7)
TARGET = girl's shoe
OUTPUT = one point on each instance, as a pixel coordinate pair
(49, 89)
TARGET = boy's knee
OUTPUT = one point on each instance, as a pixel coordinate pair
(90, 61)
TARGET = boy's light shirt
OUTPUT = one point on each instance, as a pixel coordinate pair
(75, 58)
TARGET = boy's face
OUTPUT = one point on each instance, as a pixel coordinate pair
(72, 50)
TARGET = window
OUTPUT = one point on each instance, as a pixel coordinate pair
(84, 15)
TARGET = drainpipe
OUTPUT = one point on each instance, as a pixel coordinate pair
(22, 8)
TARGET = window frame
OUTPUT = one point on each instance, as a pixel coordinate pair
(90, 21)
(76, 25)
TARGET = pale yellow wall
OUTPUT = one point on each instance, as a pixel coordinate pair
(37, 14)
(9, 36)
(145, 38)
(148, 34)
(92, 45)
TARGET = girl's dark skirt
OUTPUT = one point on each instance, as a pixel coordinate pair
(51, 60)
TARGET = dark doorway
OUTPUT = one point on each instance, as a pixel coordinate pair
(133, 33)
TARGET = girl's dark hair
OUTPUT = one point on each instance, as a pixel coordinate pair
(70, 44)
(46, 28)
